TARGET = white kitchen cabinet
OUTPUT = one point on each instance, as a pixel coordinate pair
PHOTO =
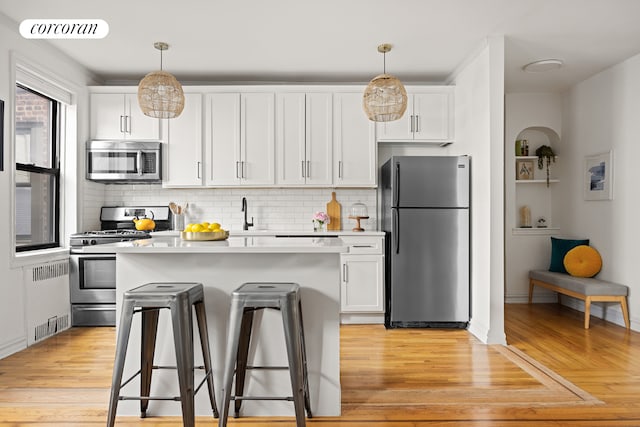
(429, 118)
(240, 139)
(354, 142)
(362, 280)
(304, 139)
(183, 153)
(118, 116)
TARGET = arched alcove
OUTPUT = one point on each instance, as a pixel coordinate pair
(532, 189)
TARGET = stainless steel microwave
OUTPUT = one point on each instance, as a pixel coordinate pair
(124, 161)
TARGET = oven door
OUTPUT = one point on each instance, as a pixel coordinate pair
(93, 278)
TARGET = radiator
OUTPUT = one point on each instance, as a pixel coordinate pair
(47, 299)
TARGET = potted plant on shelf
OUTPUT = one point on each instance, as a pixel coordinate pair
(545, 156)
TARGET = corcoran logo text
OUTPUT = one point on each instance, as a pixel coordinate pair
(64, 28)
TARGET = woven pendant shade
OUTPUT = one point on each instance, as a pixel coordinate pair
(385, 99)
(160, 95)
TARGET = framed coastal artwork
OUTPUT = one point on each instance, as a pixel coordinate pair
(598, 176)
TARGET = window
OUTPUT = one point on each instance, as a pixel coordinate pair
(37, 170)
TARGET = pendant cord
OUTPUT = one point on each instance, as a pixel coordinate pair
(160, 59)
(384, 63)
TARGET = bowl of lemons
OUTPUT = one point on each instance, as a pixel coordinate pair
(204, 231)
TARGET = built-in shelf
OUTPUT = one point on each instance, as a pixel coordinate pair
(538, 231)
(535, 181)
(530, 158)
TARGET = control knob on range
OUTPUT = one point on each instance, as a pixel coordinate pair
(93, 241)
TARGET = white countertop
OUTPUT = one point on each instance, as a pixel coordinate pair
(246, 233)
(247, 244)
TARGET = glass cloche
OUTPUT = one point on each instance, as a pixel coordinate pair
(358, 211)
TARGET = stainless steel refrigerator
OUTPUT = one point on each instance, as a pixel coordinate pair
(425, 216)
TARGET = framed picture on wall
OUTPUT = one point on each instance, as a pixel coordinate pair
(524, 169)
(1, 135)
(598, 176)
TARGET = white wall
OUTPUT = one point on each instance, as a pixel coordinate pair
(479, 133)
(12, 291)
(602, 114)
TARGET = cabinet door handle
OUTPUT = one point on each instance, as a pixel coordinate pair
(237, 170)
(302, 161)
(139, 164)
(198, 170)
(363, 246)
(411, 124)
(122, 125)
(340, 169)
(243, 169)
(127, 124)
(308, 169)
(345, 273)
(417, 123)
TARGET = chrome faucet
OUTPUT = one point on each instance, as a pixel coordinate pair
(245, 224)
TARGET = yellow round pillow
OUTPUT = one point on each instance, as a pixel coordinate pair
(582, 261)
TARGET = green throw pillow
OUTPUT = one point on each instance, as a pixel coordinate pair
(559, 248)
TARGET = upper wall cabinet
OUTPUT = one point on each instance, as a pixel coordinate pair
(118, 116)
(354, 150)
(239, 147)
(183, 149)
(429, 117)
(303, 139)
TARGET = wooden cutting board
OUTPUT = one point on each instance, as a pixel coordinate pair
(333, 210)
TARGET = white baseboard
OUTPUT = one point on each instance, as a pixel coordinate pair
(11, 347)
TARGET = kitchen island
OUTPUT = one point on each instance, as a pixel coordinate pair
(222, 266)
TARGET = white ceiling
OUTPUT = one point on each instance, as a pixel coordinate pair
(336, 40)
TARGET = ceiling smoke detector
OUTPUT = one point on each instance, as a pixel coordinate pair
(543, 65)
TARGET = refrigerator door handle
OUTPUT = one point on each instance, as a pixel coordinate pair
(396, 195)
(396, 230)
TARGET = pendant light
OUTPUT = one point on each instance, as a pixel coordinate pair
(385, 98)
(160, 95)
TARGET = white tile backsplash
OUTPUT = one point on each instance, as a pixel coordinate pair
(271, 208)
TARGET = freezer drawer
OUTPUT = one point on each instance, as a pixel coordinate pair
(93, 315)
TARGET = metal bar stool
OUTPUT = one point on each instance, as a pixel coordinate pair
(148, 299)
(245, 300)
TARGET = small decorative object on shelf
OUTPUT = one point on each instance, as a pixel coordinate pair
(545, 155)
(525, 217)
(542, 223)
(319, 220)
(358, 212)
(524, 170)
(522, 147)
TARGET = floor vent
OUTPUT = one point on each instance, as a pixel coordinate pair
(51, 327)
(50, 271)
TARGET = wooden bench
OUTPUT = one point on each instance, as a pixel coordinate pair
(587, 289)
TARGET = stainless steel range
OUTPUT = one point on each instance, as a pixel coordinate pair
(93, 276)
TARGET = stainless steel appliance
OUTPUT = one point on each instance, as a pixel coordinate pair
(93, 276)
(124, 161)
(425, 216)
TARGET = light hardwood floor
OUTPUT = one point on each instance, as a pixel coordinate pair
(396, 378)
